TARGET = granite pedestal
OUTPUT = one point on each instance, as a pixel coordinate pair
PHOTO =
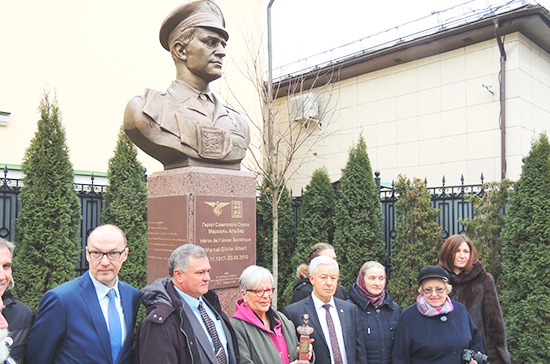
(214, 208)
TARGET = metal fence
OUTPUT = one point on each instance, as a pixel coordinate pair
(91, 202)
(451, 200)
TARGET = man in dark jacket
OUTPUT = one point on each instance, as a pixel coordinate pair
(185, 323)
(337, 329)
(18, 315)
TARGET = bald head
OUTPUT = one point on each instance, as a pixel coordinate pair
(105, 252)
(106, 232)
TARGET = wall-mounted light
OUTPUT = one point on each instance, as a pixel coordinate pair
(4, 118)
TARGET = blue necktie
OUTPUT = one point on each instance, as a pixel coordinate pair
(115, 331)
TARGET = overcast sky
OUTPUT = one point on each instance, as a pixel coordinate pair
(302, 28)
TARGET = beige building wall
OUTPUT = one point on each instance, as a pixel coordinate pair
(432, 117)
(95, 56)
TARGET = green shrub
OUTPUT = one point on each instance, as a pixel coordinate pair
(358, 221)
(417, 241)
(526, 248)
(48, 246)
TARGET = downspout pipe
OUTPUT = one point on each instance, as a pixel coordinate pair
(502, 101)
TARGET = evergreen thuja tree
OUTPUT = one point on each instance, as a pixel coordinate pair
(316, 222)
(264, 238)
(126, 207)
(526, 248)
(485, 228)
(48, 246)
(358, 221)
(417, 241)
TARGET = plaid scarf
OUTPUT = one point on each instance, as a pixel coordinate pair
(427, 310)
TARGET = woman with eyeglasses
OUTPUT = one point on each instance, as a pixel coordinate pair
(475, 289)
(264, 335)
(435, 330)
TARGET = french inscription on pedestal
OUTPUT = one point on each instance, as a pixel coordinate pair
(166, 230)
(226, 228)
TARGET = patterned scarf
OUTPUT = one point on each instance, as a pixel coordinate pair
(427, 310)
(377, 300)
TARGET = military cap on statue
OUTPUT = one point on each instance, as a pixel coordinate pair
(200, 13)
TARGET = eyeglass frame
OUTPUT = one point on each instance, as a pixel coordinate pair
(438, 290)
(269, 291)
(105, 254)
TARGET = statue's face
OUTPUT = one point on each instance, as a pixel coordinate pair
(204, 53)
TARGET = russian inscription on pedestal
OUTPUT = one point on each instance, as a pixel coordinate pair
(166, 230)
(226, 228)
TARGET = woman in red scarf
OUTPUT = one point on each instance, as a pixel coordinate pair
(379, 314)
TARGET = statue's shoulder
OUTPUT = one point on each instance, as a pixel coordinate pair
(236, 115)
(149, 102)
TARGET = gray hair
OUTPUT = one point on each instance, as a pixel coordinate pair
(371, 264)
(7, 244)
(11, 248)
(315, 262)
(179, 259)
(252, 277)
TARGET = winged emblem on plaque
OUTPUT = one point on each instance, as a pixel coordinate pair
(218, 206)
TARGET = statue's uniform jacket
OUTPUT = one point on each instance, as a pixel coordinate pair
(174, 125)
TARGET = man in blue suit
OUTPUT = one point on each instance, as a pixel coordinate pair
(91, 318)
(337, 335)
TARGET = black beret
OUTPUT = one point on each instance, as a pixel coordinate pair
(433, 271)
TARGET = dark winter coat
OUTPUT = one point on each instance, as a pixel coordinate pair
(379, 325)
(476, 290)
(435, 340)
(166, 334)
(303, 289)
(20, 318)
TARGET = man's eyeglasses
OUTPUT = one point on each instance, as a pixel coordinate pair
(110, 255)
(439, 290)
(260, 292)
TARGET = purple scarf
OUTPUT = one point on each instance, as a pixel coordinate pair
(377, 300)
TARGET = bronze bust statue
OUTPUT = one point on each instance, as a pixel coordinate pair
(187, 124)
(305, 329)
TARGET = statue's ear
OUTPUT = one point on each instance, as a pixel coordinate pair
(179, 51)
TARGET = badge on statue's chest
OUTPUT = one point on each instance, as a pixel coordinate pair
(213, 142)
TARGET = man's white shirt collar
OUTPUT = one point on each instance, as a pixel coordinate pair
(101, 289)
(319, 304)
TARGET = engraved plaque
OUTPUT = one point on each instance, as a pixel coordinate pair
(226, 228)
(166, 230)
